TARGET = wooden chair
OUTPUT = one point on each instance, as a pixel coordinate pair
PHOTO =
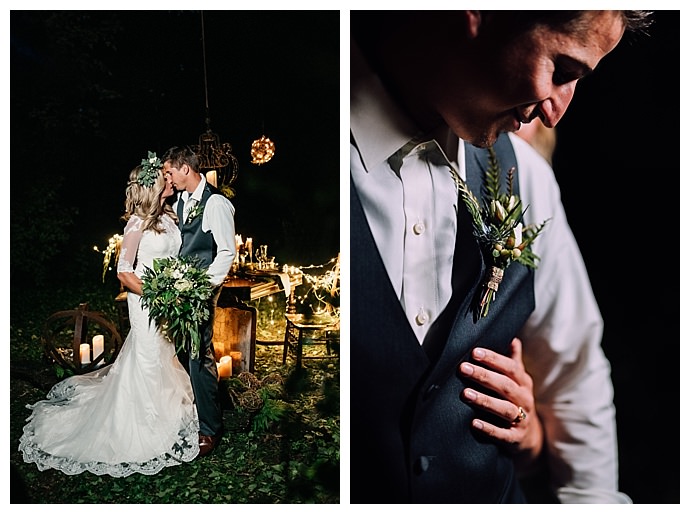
(301, 331)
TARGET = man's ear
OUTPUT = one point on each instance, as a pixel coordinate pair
(185, 169)
(474, 21)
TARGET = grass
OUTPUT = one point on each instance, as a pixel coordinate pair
(281, 447)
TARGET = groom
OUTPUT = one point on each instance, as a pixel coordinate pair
(207, 225)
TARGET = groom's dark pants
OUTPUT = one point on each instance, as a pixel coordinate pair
(204, 376)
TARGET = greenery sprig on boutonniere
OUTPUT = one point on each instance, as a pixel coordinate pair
(195, 211)
(498, 228)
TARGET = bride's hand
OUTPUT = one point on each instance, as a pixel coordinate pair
(507, 377)
(130, 281)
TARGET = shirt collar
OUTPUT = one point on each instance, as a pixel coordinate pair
(379, 128)
(198, 192)
(377, 125)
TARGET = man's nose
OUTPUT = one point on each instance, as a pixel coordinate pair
(552, 109)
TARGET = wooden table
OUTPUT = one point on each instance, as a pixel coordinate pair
(235, 322)
(253, 285)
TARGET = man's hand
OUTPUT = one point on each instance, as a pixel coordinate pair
(507, 377)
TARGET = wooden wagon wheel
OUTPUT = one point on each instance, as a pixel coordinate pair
(65, 332)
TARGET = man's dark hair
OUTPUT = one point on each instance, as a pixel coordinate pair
(570, 21)
(179, 155)
(369, 26)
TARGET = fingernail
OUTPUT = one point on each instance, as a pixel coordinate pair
(477, 424)
(479, 353)
(466, 368)
(470, 394)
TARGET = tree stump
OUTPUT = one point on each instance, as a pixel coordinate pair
(234, 335)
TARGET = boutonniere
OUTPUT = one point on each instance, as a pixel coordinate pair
(195, 211)
(499, 230)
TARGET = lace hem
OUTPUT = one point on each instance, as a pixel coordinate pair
(185, 449)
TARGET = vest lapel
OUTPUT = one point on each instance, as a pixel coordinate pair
(458, 328)
(373, 298)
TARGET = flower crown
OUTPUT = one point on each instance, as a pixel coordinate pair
(149, 170)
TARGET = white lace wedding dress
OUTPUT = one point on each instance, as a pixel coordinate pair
(136, 415)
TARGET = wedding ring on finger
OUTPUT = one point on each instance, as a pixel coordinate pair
(521, 416)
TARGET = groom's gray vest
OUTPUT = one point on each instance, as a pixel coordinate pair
(194, 240)
(411, 439)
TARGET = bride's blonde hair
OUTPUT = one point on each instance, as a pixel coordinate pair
(145, 202)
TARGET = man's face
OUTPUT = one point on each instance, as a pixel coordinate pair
(176, 176)
(533, 76)
(168, 191)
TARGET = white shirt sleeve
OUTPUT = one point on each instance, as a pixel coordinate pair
(219, 218)
(130, 245)
(562, 350)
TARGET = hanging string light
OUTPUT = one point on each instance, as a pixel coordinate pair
(216, 158)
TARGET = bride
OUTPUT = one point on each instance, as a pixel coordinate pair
(136, 415)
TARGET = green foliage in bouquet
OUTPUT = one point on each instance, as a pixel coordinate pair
(176, 290)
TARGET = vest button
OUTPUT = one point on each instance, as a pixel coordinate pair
(431, 390)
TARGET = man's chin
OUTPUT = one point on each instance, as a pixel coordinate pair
(481, 138)
(485, 140)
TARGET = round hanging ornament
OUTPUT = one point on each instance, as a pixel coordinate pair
(262, 150)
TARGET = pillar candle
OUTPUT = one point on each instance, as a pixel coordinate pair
(225, 366)
(212, 178)
(98, 346)
(84, 353)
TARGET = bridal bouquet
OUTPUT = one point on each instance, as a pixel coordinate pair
(499, 229)
(176, 290)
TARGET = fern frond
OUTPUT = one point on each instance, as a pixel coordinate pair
(492, 176)
(472, 205)
(509, 181)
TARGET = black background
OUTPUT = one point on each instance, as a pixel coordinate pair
(617, 162)
(93, 91)
(82, 118)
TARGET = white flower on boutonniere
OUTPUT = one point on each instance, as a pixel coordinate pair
(498, 228)
(195, 211)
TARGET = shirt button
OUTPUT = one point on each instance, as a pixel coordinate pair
(422, 464)
(422, 317)
(418, 228)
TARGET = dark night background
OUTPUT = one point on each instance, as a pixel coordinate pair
(617, 162)
(91, 92)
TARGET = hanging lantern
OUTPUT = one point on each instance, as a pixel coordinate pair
(216, 160)
(262, 150)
